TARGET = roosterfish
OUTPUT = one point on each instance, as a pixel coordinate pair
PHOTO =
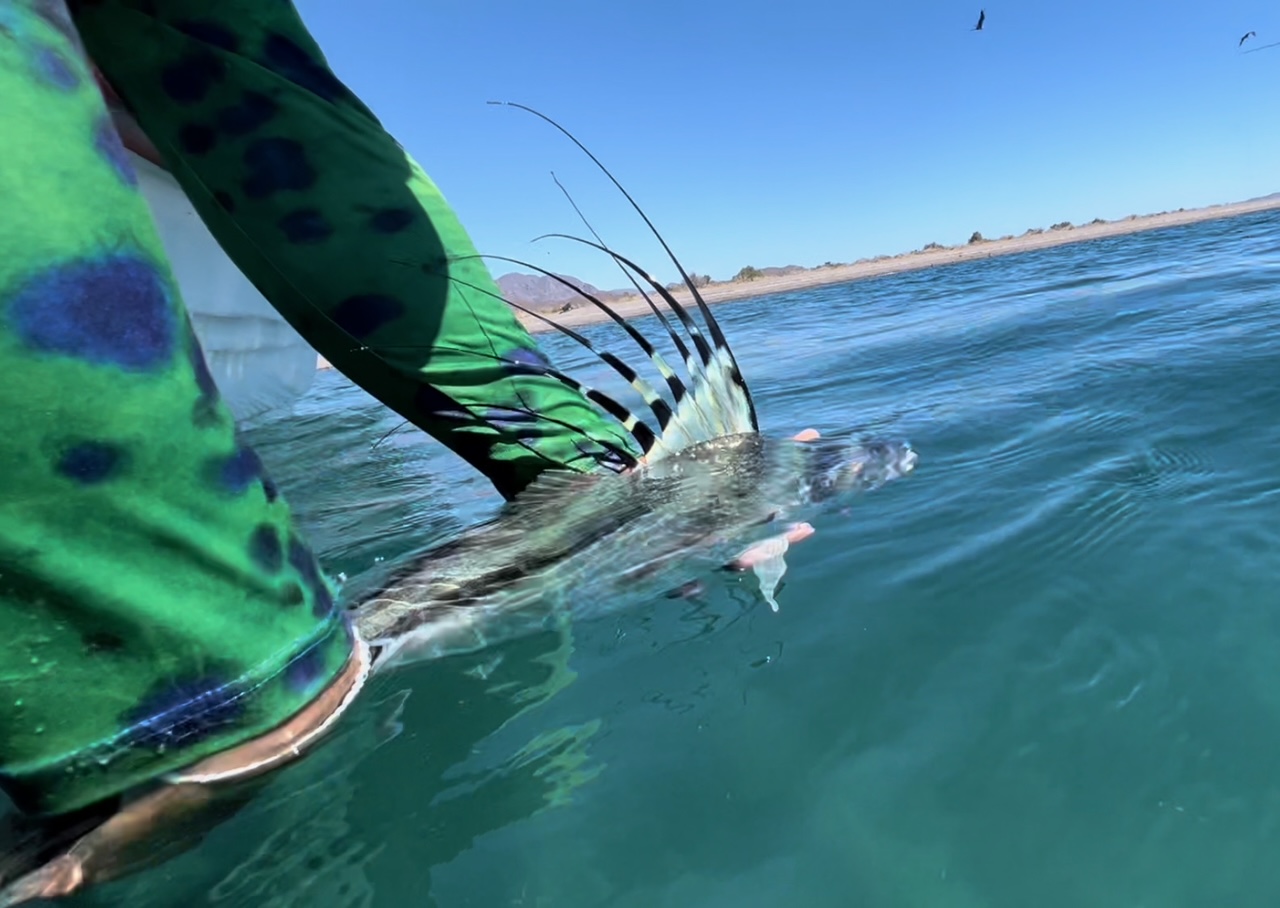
(708, 491)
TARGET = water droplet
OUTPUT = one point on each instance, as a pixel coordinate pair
(39, 729)
(18, 702)
(35, 660)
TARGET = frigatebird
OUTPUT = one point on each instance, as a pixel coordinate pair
(1247, 37)
(982, 17)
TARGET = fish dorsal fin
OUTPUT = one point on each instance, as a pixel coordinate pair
(552, 489)
(719, 402)
(653, 399)
(715, 407)
(565, 510)
(712, 402)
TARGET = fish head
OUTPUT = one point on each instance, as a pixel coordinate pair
(878, 462)
(838, 467)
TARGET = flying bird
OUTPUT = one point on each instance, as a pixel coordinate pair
(1247, 37)
(982, 17)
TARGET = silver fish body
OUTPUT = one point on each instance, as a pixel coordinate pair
(705, 485)
(576, 545)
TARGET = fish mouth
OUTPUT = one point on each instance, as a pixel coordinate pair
(884, 462)
(864, 466)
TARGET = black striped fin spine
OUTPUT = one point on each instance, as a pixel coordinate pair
(719, 341)
(677, 387)
(704, 349)
(613, 407)
(661, 316)
(712, 409)
(692, 414)
(721, 392)
(699, 416)
(693, 419)
(639, 430)
(648, 439)
(572, 138)
(712, 324)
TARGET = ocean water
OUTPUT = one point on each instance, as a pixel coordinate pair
(1043, 670)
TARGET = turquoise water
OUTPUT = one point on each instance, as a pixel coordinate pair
(1044, 670)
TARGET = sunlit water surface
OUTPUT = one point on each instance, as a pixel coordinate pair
(1042, 671)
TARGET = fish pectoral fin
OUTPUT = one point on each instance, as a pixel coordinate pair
(767, 559)
(747, 558)
(769, 572)
(770, 566)
(390, 717)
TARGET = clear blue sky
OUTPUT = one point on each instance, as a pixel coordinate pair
(802, 131)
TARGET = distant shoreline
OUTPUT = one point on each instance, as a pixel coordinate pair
(727, 291)
(633, 306)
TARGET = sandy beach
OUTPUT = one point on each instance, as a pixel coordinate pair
(727, 291)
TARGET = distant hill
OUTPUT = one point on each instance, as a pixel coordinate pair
(537, 291)
(774, 271)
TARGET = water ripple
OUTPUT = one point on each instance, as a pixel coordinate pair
(1050, 648)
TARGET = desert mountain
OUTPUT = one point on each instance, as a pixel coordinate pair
(540, 292)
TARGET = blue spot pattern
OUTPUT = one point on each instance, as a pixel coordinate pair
(304, 672)
(360, 316)
(433, 403)
(181, 712)
(304, 562)
(196, 138)
(54, 12)
(107, 143)
(507, 415)
(109, 311)
(523, 361)
(239, 471)
(292, 594)
(306, 225)
(517, 423)
(276, 165)
(189, 80)
(265, 548)
(612, 458)
(204, 413)
(209, 33)
(392, 220)
(253, 111)
(599, 454)
(53, 69)
(91, 462)
(283, 57)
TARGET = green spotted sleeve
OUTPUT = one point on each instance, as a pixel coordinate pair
(339, 228)
(157, 602)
